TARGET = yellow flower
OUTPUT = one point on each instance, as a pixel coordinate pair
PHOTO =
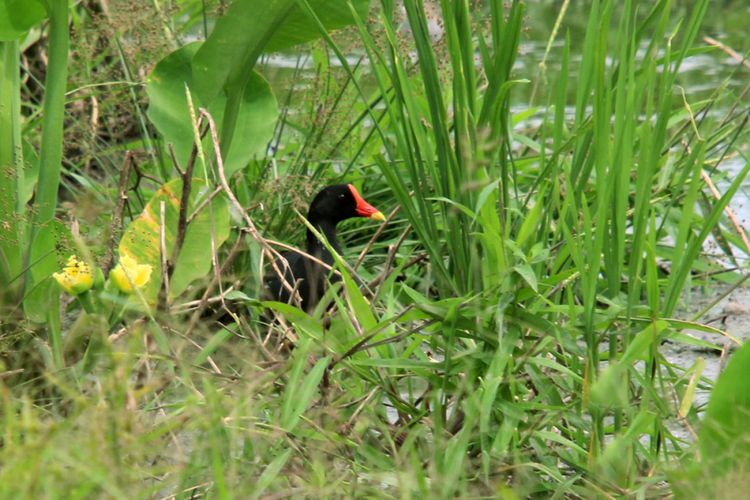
(129, 274)
(76, 277)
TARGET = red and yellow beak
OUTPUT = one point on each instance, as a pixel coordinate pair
(364, 209)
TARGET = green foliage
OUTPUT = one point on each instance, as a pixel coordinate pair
(207, 231)
(11, 235)
(41, 244)
(15, 249)
(18, 16)
(504, 334)
(170, 113)
(720, 466)
(723, 440)
(251, 27)
(223, 63)
(43, 264)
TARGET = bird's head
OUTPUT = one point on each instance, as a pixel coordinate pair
(340, 202)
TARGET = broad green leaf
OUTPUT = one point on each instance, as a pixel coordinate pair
(194, 260)
(251, 27)
(530, 222)
(457, 451)
(553, 365)
(241, 297)
(484, 195)
(557, 438)
(305, 393)
(724, 437)
(494, 377)
(235, 44)
(42, 264)
(141, 238)
(226, 59)
(18, 16)
(299, 28)
(168, 110)
(682, 338)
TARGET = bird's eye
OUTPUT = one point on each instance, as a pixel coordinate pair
(342, 196)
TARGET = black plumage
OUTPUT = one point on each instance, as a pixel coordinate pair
(330, 206)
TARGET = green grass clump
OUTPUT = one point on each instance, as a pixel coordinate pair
(501, 335)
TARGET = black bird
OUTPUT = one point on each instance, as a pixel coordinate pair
(329, 207)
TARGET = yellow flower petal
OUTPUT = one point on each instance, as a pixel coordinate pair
(76, 277)
(118, 277)
(64, 281)
(129, 275)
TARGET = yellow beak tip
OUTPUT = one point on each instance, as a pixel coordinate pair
(378, 216)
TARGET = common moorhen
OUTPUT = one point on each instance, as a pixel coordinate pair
(329, 207)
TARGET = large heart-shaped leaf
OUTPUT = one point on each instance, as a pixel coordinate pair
(17, 16)
(236, 43)
(141, 239)
(251, 27)
(299, 27)
(169, 112)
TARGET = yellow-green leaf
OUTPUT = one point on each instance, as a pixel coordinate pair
(141, 239)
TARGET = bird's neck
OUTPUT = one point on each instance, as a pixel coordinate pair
(314, 245)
